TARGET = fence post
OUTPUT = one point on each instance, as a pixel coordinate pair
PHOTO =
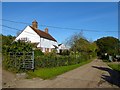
(33, 60)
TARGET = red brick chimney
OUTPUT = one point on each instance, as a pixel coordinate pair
(35, 24)
(46, 30)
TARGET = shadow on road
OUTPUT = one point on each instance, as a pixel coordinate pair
(114, 77)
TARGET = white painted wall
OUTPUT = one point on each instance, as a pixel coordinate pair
(46, 43)
(62, 47)
(30, 34)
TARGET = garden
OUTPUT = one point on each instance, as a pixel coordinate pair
(46, 65)
(49, 65)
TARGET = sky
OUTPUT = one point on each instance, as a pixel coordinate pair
(91, 16)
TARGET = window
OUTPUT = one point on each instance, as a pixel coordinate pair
(24, 39)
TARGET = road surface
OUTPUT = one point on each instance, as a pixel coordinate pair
(93, 75)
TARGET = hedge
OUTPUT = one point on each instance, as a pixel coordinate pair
(59, 60)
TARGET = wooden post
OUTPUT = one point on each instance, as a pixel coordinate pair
(33, 61)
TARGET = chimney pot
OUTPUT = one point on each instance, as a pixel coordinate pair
(34, 24)
(46, 30)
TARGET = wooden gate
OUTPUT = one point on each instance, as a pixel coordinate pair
(24, 60)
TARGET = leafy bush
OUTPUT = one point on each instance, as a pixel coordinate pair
(50, 60)
(38, 52)
(109, 45)
(14, 54)
(64, 52)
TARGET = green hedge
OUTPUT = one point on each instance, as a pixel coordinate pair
(59, 60)
(38, 52)
(10, 60)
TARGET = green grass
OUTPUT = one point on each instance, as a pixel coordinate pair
(48, 73)
(115, 66)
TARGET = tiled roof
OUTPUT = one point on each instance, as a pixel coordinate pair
(43, 34)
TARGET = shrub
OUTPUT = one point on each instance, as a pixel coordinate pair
(14, 54)
(54, 60)
(38, 52)
(65, 52)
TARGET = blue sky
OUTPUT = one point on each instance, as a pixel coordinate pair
(98, 16)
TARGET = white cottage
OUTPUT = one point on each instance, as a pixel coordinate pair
(43, 39)
(61, 48)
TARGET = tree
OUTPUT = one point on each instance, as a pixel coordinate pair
(109, 45)
(93, 48)
(72, 41)
(7, 40)
(80, 44)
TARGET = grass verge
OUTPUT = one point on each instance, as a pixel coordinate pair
(48, 73)
(115, 66)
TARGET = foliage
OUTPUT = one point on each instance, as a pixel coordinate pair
(38, 52)
(64, 52)
(47, 73)
(108, 45)
(72, 39)
(52, 60)
(15, 54)
(79, 44)
(7, 40)
(9, 48)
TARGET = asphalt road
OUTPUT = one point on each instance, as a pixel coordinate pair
(93, 75)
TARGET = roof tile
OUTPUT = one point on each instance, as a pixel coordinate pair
(43, 34)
